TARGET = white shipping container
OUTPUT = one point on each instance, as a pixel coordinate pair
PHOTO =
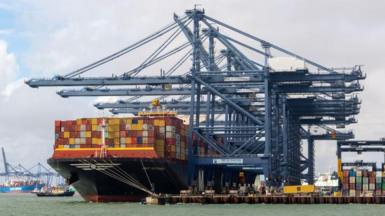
(170, 128)
(372, 186)
(145, 133)
(82, 134)
(352, 179)
(82, 127)
(365, 187)
(170, 135)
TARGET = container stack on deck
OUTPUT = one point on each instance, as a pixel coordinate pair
(166, 134)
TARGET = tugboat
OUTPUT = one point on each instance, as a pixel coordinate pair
(57, 192)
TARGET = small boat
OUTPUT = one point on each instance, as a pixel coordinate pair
(56, 192)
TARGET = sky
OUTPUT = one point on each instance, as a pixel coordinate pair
(43, 38)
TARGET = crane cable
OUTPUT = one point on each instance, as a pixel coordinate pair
(124, 51)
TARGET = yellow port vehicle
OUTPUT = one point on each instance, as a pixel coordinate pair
(299, 189)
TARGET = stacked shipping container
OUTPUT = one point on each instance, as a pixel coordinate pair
(357, 182)
(167, 135)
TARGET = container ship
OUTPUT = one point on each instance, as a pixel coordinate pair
(122, 159)
(20, 186)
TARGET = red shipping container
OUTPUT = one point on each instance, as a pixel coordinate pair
(57, 123)
(88, 127)
(108, 141)
(73, 128)
(65, 141)
(58, 142)
(123, 134)
(96, 134)
(122, 126)
(151, 141)
(170, 141)
(151, 133)
(88, 141)
(133, 140)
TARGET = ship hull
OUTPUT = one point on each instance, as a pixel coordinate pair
(20, 189)
(110, 180)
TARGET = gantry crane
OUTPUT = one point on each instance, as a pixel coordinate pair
(260, 111)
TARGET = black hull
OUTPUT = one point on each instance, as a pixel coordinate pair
(95, 182)
(48, 194)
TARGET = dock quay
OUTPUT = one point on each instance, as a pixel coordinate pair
(275, 199)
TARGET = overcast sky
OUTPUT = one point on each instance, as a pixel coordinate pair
(46, 37)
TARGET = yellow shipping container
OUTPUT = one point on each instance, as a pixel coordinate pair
(116, 141)
(88, 134)
(60, 146)
(94, 121)
(78, 121)
(136, 127)
(116, 134)
(114, 121)
(159, 122)
(71, 141)
(299, 189)
(128, 140)
(113, 127)
(96, 141)
(159, 142)
(66, 134)
(94, 127)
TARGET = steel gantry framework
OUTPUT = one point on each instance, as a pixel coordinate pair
(222, 78)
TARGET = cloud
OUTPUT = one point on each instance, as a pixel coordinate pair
(8, 65)
(5, 32)
(11, 87)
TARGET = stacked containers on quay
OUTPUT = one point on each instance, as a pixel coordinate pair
(122, 159)
(362, 182)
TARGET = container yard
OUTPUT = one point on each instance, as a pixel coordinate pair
(226, 123)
